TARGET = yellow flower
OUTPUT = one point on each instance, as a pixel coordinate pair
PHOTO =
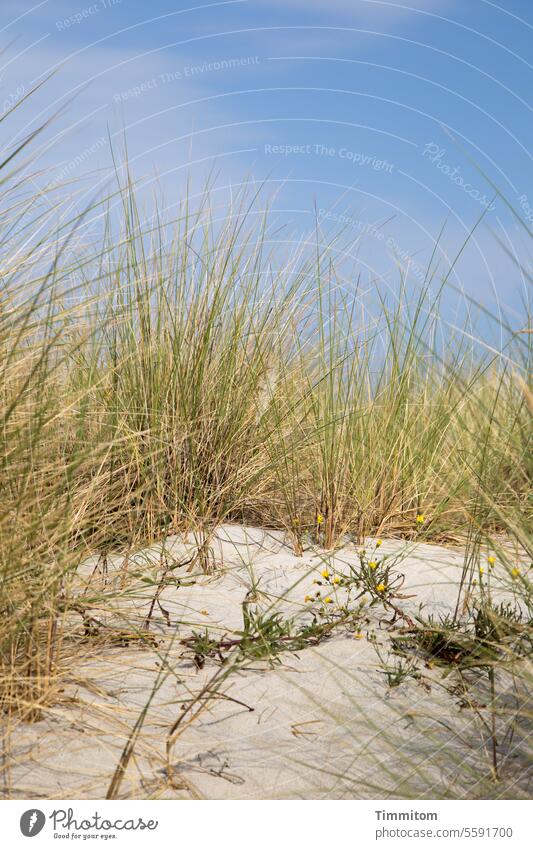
(491, 560)
(373, 564)
(379, 543)
(420, 519)
(380, 588)
(336, 579)
(325, 573)
(481, 570)
(308, 598)
(319, 519)
(358, 636)
(515, 572)
(328, 600)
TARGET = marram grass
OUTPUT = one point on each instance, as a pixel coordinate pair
(172, 376)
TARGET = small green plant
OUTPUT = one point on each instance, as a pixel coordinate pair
(397, 667)
(375, 581)
(202, 646)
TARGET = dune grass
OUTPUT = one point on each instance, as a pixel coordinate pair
(167, 376)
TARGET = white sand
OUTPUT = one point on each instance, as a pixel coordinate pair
(325, 723)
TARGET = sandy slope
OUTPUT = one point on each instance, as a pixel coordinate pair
(324, 724)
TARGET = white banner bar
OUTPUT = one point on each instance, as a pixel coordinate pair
(264, 824)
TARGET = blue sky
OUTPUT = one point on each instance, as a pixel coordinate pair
(370, 112)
